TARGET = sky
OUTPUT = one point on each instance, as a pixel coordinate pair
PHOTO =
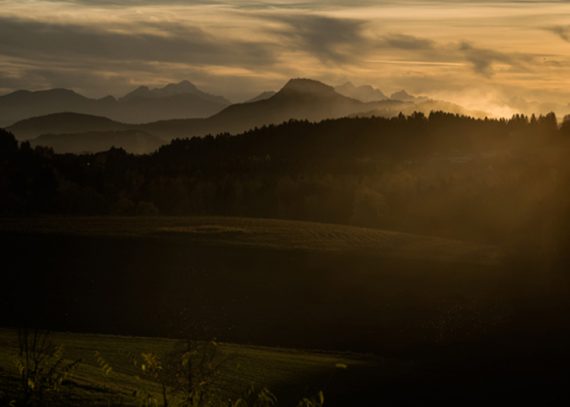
(500, 57)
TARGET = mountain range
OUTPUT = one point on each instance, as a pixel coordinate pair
(181, 100)
(364, 93)
(135, 141)
(300, 99)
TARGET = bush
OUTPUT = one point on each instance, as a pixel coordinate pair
(41, 367)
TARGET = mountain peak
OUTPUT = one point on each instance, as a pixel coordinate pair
(402, 96)
(54, 95)
(19, 92)
(262, 96)
(347, 85)
(58, 92)
(303, 85)
(107, 98)
(364, 93)
(141, 91)
(179, 88)
(173, 89)
(170, 89)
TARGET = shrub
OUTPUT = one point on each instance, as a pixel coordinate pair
(41, 366)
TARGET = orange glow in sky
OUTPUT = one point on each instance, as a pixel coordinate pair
(501, 57)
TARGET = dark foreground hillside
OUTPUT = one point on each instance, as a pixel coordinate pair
(254, 281)
(456, 321)
(291, 374)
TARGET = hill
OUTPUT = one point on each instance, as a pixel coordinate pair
(243, 280)
(364, 93)
(173, 89)
(403, 96)
(298, 99)
(301, 99)
(135, 141)
(410, 174)
(291, 374)
(261, 96)
(181, 100)
(63, 123)
(269, 234)
(24, 104)
(392, 107)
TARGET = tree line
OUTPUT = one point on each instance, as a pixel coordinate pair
(442, 174)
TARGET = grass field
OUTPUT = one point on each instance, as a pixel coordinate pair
(248, 280)
(440, 316)
(290, 374)
(265, 233)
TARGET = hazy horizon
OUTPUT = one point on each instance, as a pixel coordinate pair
(501, 57)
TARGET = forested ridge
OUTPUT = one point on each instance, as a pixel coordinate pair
(441, 174)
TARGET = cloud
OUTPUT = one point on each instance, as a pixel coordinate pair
(329, 39)
(41, 40)
(96, 60)
(483, 59)
(97, 79)
(341, 40)
(408, 42)
(562, 31)
(72, 78)
(123, 3)
(241, 47)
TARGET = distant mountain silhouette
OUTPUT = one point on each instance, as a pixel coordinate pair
(301, 99)
(173, 101)
(23, 104)
(364, 93)
(63, 123)
(182, 100)
(173, 89)
(401, 102)
(402, 96)
(132, 140)
(298, 99)
(262, 96)
(420, 104)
